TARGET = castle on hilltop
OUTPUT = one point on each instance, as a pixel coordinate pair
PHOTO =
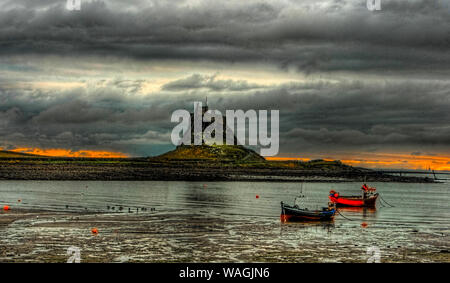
(225, 128)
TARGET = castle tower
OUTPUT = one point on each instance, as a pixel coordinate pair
(205, 109)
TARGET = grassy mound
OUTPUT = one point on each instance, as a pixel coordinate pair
(314, 165)
(213, 153)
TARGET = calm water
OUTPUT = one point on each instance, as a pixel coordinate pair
(420, 218)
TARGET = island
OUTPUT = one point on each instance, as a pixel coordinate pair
(189, 163)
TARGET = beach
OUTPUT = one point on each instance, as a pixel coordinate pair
(144, 169)
(211, 222)
(45, 237)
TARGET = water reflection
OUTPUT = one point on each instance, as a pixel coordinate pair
(197, 194)
(364, 212)
(307, 226)
(225, 221)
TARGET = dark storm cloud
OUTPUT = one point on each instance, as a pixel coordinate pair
(78, 112)
(397, 94)
(348, 115)
(84, 118)
(310, 35)
(314, 116)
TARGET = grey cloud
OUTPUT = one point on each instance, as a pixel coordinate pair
(315, 116)
(78, 112)
(130, 86)
(197, 81)
(338, 36)
(408, 40)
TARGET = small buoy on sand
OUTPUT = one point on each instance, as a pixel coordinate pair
(6, 207)
(257, 196)
(364, 224)
(94, 231)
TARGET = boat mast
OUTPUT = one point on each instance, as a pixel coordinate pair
(301, 195)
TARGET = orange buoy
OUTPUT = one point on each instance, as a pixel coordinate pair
(94, 231)
(257, 196)
(6, 207)
(364, 224)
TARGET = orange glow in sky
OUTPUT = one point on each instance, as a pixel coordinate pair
(384, 160)
(368, 160)
(60, 152)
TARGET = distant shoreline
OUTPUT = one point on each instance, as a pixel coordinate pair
(150, 169)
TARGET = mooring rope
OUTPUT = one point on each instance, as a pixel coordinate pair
(386, 201)
(343, 215)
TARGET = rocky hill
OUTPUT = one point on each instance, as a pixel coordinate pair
(214, 153)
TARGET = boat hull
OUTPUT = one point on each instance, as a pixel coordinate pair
(293, 214)
(354, 201)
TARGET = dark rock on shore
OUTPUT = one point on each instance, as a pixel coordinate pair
(143, 169)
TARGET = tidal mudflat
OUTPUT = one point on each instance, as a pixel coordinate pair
(215, 222)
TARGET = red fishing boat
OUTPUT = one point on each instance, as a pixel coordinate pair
(367, 199)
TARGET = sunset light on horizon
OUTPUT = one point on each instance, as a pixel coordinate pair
(374, 161)
(60, 152)
(383, 161)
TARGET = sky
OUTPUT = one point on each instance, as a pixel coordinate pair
(371, 88)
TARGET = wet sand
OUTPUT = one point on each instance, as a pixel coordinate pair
(154, 236)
